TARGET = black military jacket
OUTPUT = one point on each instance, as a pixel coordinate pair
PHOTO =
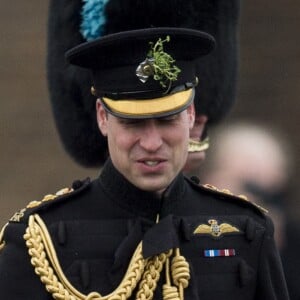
(227, 241)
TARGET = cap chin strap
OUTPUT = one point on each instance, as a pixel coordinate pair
(144, 94)
(146, 272)
(198, 146)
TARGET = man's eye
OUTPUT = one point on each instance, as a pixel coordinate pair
(169, 118)
(130, 121)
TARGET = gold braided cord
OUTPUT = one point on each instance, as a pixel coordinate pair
(2, 242)
(151, 276)
(47, 267)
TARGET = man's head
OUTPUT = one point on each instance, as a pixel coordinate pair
(145, 81)
(244, 155)
(254, 161)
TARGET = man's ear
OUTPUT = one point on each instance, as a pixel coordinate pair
(101, 117)
(196, 132)
(191, 115)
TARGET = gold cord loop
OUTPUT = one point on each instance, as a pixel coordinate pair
(169, 292)
(180, 272)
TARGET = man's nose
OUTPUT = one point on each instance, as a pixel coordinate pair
(151, 139)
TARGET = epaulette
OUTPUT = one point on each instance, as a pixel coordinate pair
(226, 194)
(62, 194)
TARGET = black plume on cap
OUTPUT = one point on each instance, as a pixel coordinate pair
(69, 86)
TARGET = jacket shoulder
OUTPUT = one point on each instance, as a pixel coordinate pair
(227, 195)
(21, 217)
(64, 194)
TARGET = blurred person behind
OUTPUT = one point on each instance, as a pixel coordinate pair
(257, 162)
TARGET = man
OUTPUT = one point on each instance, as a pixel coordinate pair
(141, 230)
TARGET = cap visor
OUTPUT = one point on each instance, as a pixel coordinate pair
(150, 108)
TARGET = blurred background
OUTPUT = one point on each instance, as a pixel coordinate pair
(33, 162)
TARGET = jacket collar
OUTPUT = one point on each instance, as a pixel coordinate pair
(143, 203)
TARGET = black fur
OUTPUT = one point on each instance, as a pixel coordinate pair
(72, 102)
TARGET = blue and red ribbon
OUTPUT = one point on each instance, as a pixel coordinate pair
(219, 252)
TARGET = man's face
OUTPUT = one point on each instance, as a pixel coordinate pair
(149, 153)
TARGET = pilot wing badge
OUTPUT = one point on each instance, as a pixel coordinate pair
(214, 229)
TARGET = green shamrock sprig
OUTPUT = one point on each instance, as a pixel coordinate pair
(164, 69)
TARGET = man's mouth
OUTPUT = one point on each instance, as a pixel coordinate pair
(151, 163)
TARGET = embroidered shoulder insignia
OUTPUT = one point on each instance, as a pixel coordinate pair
(228, 192)
(18, 215)
(215, 229)
(2, 241)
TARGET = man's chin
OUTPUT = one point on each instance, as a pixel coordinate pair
(155, 185)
